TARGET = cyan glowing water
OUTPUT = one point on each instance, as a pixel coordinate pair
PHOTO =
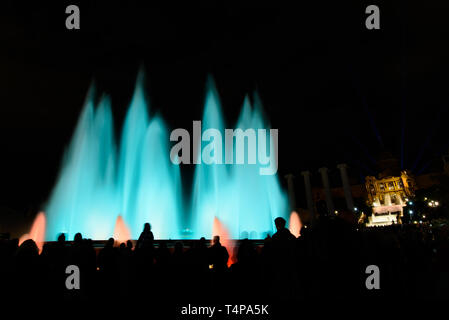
(100, 179)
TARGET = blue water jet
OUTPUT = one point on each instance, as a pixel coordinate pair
(85, 193)
(242, 199)
(99, 180)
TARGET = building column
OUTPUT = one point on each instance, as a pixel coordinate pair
(327, 190)
(346, 187)
(308, 185)
(291, 191)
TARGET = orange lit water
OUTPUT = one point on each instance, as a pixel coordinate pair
(294, 224)
(37, 231)
(219, 229)
(121, 231)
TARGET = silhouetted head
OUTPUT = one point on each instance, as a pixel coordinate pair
(202, 242)
(28, 248)
(110, 242)
(129, 244)
(147, 227)
(216, 240)
(280, 223)
(78, 238)
(61, 238)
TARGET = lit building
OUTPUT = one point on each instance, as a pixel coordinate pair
(388, 196)
(378, 200)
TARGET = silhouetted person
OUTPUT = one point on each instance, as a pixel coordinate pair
(282, 233)
(77, 239)
(218, 255)
(59, 251)
(283, 244)
(246, 272)
(124, 269)
(129, 245)
(61, 238)
(106, 256)
(146, 238)
(27, 269)
(144, 255)
(75, 252)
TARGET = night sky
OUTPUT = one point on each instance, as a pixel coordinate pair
(336, 91)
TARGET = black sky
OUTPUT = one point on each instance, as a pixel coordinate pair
(336, 91)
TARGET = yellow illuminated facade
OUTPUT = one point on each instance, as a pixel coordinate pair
(388, 196)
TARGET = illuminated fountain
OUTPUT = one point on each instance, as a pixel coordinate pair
(102, 184)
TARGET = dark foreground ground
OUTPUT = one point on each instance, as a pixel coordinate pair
(326, 263)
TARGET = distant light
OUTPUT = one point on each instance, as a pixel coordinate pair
(436, 203)
(336, 211)
(425, 198)
(420, 221)
(410, 211)
(406, 199)
(410, 202)
(424, 216)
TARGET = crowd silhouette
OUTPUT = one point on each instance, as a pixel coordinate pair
(327, 261)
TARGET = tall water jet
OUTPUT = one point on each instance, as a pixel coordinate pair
(130, 157)
(258, 198)
(84, 196)
(158, 191)
(237, 194)
(211, 181)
